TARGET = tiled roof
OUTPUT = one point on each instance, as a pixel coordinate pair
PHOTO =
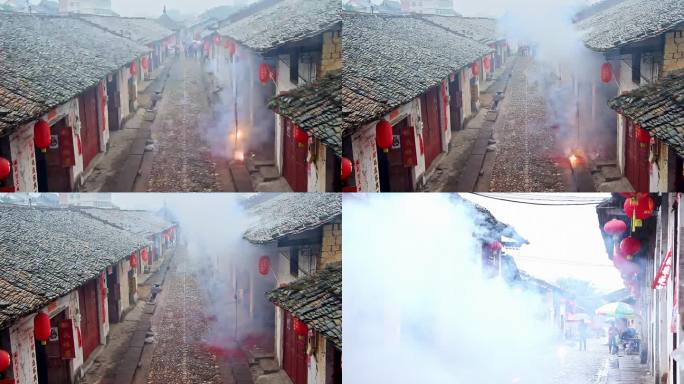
(658, 108)
(481, 29)
(167, 22)
(390, 60)
(630, 21)
(316, 300)
(46, 253)
(139, 222)
(292, 213)
(139, 29)
(46, 61)
(487, 221)
(284, 22)
(316, 108)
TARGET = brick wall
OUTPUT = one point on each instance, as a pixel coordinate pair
(331, 249)
(674, 51)
(331, 58)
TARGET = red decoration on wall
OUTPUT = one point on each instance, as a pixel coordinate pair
(301, 136)
(133, 69)
(606, 72)
(41, 327)
(495, 246)
(486, 63)
(345, 169)
(639, 208)
(5, 168)
(230, 47)
(143, 255)
(145, 63)
(264, 265)
(65, 331)
(41, 135)
(217, 39)
(475, 69)
(383, 135)
(264, 73)
(663, 275)
(300, 327)
(408, 147)
(630, 246)
(133, 262)
(615, 227)
(66, 146)
(4, 360)
(642, 135)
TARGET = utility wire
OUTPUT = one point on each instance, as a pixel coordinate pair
(548, 202)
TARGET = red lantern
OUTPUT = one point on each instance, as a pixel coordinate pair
(301, 136)
(5, 168)
(615, 227)
(264, 73)
(133, 262)
(495, 246)
(345, 169)
(630, 246)
(145, 63)
(639, 208)
(4, 360)
(133, 69)
(264, 265)
(475, 69)
(143, 255)
(41, 327)
(485, 63)
(383, 135)
(642, 135)
(606, 72)
(217, 39)
(41, 135)
(300, 327)
(230, 46)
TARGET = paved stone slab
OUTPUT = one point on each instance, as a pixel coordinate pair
(269, 173)
(241, 178)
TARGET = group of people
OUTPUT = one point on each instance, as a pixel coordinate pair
(620, 334)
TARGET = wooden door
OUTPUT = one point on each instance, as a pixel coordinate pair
(294, 159)
(636, 159)
(52, 369)
(90, 133)
(294, 351)
(333, 364)
(456, 100)
(113, 102)
(113, 295)
(90, 328)
(53, 176)
(432, 136)
(395, 177)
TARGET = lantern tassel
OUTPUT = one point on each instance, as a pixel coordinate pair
(386, 150)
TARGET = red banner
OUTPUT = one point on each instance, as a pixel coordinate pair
(408, 147)
(66, 340)
(66, 147)
(663, 274)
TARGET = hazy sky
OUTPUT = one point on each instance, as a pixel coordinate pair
(564, 240)
(155, 7)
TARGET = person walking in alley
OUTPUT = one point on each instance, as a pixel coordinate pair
(583, 330)
(612, 336)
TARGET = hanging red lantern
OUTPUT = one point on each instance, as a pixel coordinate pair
(486, 63)
(383, 135)
(301, 136)
(41, 135)
(300, 327)
(495, 246)
(217, 39)
(606, 72)
(345, 169)
(4, 360)
(639, 208)
(630, 246)
(41, 327)
(230, 47)
(264, 73)
(264, 265)
(133, 262)
(615, 227)
(5, 168)
(144, 255)
(475, 69)
(145, 63)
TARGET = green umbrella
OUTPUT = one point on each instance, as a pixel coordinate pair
(616, 310)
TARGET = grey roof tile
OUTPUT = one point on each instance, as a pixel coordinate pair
(292, 213)
(139, 29)
(316, 300)
(139, 222)
(481, 29)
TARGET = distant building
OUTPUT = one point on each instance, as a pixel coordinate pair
(92, 7)
(431, 7)
(94, 200)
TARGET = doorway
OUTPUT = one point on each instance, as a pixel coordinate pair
(113, 296)
(90, 133)
(113, 102)
(90, 327)
(432, 135)
(294, 159)
(455, 98)
(294, 351)
(636, 158)
(394, 176)
(52, 369)
(53, 175)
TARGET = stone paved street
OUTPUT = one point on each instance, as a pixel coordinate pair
(525, 143)
(182, 161)
(580, 367)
